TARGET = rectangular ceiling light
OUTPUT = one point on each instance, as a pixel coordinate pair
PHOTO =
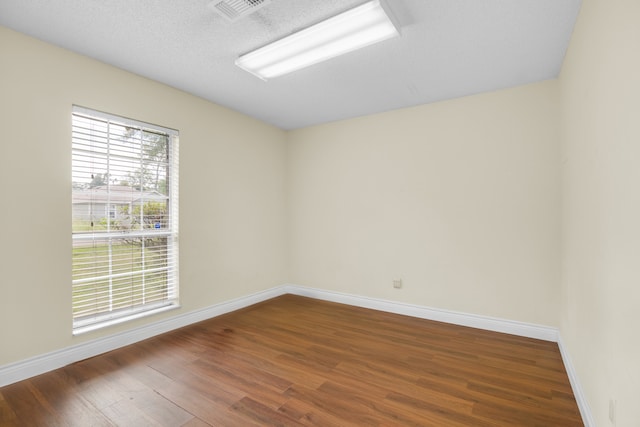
(356, 28)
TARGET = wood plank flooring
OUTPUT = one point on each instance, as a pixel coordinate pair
(295, 361)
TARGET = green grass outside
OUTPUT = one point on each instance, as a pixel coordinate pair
(133, 289)
(79, 225)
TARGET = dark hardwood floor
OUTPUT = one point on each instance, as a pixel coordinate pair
(297, 361)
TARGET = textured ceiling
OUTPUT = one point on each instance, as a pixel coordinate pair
(447, 49)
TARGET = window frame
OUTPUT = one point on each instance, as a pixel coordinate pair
(165, 282)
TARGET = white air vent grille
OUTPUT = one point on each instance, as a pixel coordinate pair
(236, 9)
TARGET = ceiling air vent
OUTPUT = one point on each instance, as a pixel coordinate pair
(236, 9)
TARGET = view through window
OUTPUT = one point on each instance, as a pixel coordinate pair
(125, 218)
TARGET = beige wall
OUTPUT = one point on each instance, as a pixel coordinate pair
(232, 203)
(460, 199)
(600, 324)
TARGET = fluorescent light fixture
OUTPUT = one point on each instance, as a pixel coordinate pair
(356, 28)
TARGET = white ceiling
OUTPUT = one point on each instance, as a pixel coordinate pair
(447, 49)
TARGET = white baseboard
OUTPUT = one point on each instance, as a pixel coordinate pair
(513, 327)
(56, 359)
(47, 362)
(581, 399)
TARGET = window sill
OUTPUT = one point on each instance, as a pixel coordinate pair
(115, 321)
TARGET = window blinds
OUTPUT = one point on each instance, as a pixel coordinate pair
(124, 219)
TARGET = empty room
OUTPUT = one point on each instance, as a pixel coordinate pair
(293, 212)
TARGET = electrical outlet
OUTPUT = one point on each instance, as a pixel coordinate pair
(397, 283)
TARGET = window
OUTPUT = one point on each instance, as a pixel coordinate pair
(124, 219)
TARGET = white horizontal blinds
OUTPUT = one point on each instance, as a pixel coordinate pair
(125, 217)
